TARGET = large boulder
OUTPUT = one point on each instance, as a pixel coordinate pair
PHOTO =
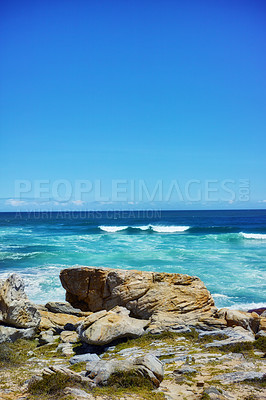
(141, 292)
(16, 309)
(103, 327)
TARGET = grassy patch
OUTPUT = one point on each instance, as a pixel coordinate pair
(237, 347)
(128, 383)
(145, 340)
(51, 386)
(260, 344)
(205, 396)
(78, 367)
(12, 354)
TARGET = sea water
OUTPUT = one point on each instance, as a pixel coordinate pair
(226, 249)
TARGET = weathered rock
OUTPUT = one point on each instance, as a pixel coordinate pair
(185, 370)
(262, 326)
(10, 334)
(235, 335)
(47, 337)
(103, 327)
(16, 309)
(175, 322)
(260, 334)
(78, 394)
(63, 307)
(214, 394)
(52, 320)
(66, 349)
(69, 337)
(234, 377)
(88, 357)
(147, 366)
(143, 293)
(247, 320)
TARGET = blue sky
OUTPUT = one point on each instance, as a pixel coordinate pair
(132, 91)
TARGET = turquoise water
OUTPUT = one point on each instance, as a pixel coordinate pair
(227, 250)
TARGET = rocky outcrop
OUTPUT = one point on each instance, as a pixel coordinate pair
(143, 293)
(15, 308)
(247, 320)
(147, 366)
(105, 326)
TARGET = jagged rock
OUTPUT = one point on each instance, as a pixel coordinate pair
(103, 327)
(235, 335)
(69, 337)
(63, 307)
(250, 321)
(88, 357)
(52, 320)
(10, 334)
(234, 377)
(143, 293)
(16, 309)
(147, 366)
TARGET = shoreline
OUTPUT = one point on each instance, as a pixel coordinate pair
(116, 324)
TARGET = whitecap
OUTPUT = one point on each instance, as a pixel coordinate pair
(113, 228)
(222, 296)
(169, 229)
(259, 236)
(142, 227)
(247, 306)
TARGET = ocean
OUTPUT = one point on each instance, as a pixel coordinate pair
(226, 249)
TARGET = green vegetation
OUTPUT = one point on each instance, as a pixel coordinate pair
(50, 385)
(205, 396)
(260, 344)
(78, 367)
(12, 354)
(238, 347)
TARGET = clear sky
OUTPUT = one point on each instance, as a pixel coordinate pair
(146, 93)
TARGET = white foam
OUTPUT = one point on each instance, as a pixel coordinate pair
(247, 306)
(259, 236)
(142, 227)
(169, 229)
(221, 296)
(113, 228)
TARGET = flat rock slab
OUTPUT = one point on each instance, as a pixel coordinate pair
(234, 377)
(88, 357)
(63, 307)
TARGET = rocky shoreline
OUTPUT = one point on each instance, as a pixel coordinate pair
(121, 330)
